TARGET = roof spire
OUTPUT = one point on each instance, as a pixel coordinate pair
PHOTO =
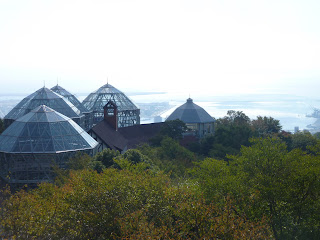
(44, 83)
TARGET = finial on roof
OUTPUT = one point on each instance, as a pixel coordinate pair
(189, 99)
(44, 83)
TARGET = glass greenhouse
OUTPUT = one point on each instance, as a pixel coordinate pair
(128, 113)
(72, 98)
(45, 96)
(32, 144)
(88, 120)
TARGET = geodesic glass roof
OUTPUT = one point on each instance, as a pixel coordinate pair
(191, 113)
(44, 130)
(61, 91)
(44, 96)
(99, 98)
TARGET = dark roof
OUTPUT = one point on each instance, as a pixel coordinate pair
(191, 113)
(138, 134)
(44, 96)
(109, 135)
(72, 98)
(44, 130)
(129, 137)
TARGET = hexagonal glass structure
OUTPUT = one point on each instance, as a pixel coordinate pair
(44, 96)
(88, 119)
(42, 138)
(128, 113)
(72, 98)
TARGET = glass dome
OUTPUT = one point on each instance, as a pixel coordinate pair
(44, 96)
(72, 98)
(44, 130)
(128, 113)
(36, 142)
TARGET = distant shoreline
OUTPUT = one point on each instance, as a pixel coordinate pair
(81, 94)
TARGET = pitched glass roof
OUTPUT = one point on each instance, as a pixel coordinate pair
(61, 91)
(191, 113)
(44, 130)
(44, 96)
(99, 98)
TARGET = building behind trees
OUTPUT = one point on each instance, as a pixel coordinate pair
(198, 121)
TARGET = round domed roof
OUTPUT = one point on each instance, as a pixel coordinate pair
(44, 96)
(191, 113)
(99, 98)
(72, 98)
(43, 130)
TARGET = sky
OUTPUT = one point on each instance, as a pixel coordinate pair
(202, 46)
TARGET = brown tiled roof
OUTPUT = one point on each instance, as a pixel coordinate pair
(130, 136)
(138, 134)
(109, 135)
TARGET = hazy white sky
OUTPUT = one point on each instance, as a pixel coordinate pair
(216, 46)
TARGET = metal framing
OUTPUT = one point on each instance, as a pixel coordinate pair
(32, 144)
(128, 113)
(45, 96)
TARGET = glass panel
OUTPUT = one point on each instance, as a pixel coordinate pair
(58, 143)
(38, 147)
(55, 129)
(25, 145)
(42, 117)
(48, 145)
(51, 116)
(24, 132)
(33, 129)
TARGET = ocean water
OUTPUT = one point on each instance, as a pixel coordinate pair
(290, 110)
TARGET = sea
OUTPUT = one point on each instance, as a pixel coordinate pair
(291, 110)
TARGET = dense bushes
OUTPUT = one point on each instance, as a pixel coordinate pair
(269, 188)
(122, 204)
(267, 180)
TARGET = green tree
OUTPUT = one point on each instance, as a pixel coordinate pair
(106, 157)
(231, 133)
(86, 207)
(134, 159)
(285, 185)
(268, 180)
(122, 205)
(303, 140)
(265, 126)
(173, 129)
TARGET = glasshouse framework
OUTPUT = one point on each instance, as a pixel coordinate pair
(128, 113)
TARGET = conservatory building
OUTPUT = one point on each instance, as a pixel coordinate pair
(128, 114)
(71, 98)
(74, 100)
(36, 142)
(45, 96)
(198, 121)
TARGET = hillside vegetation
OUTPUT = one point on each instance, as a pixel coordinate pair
(248, 181)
